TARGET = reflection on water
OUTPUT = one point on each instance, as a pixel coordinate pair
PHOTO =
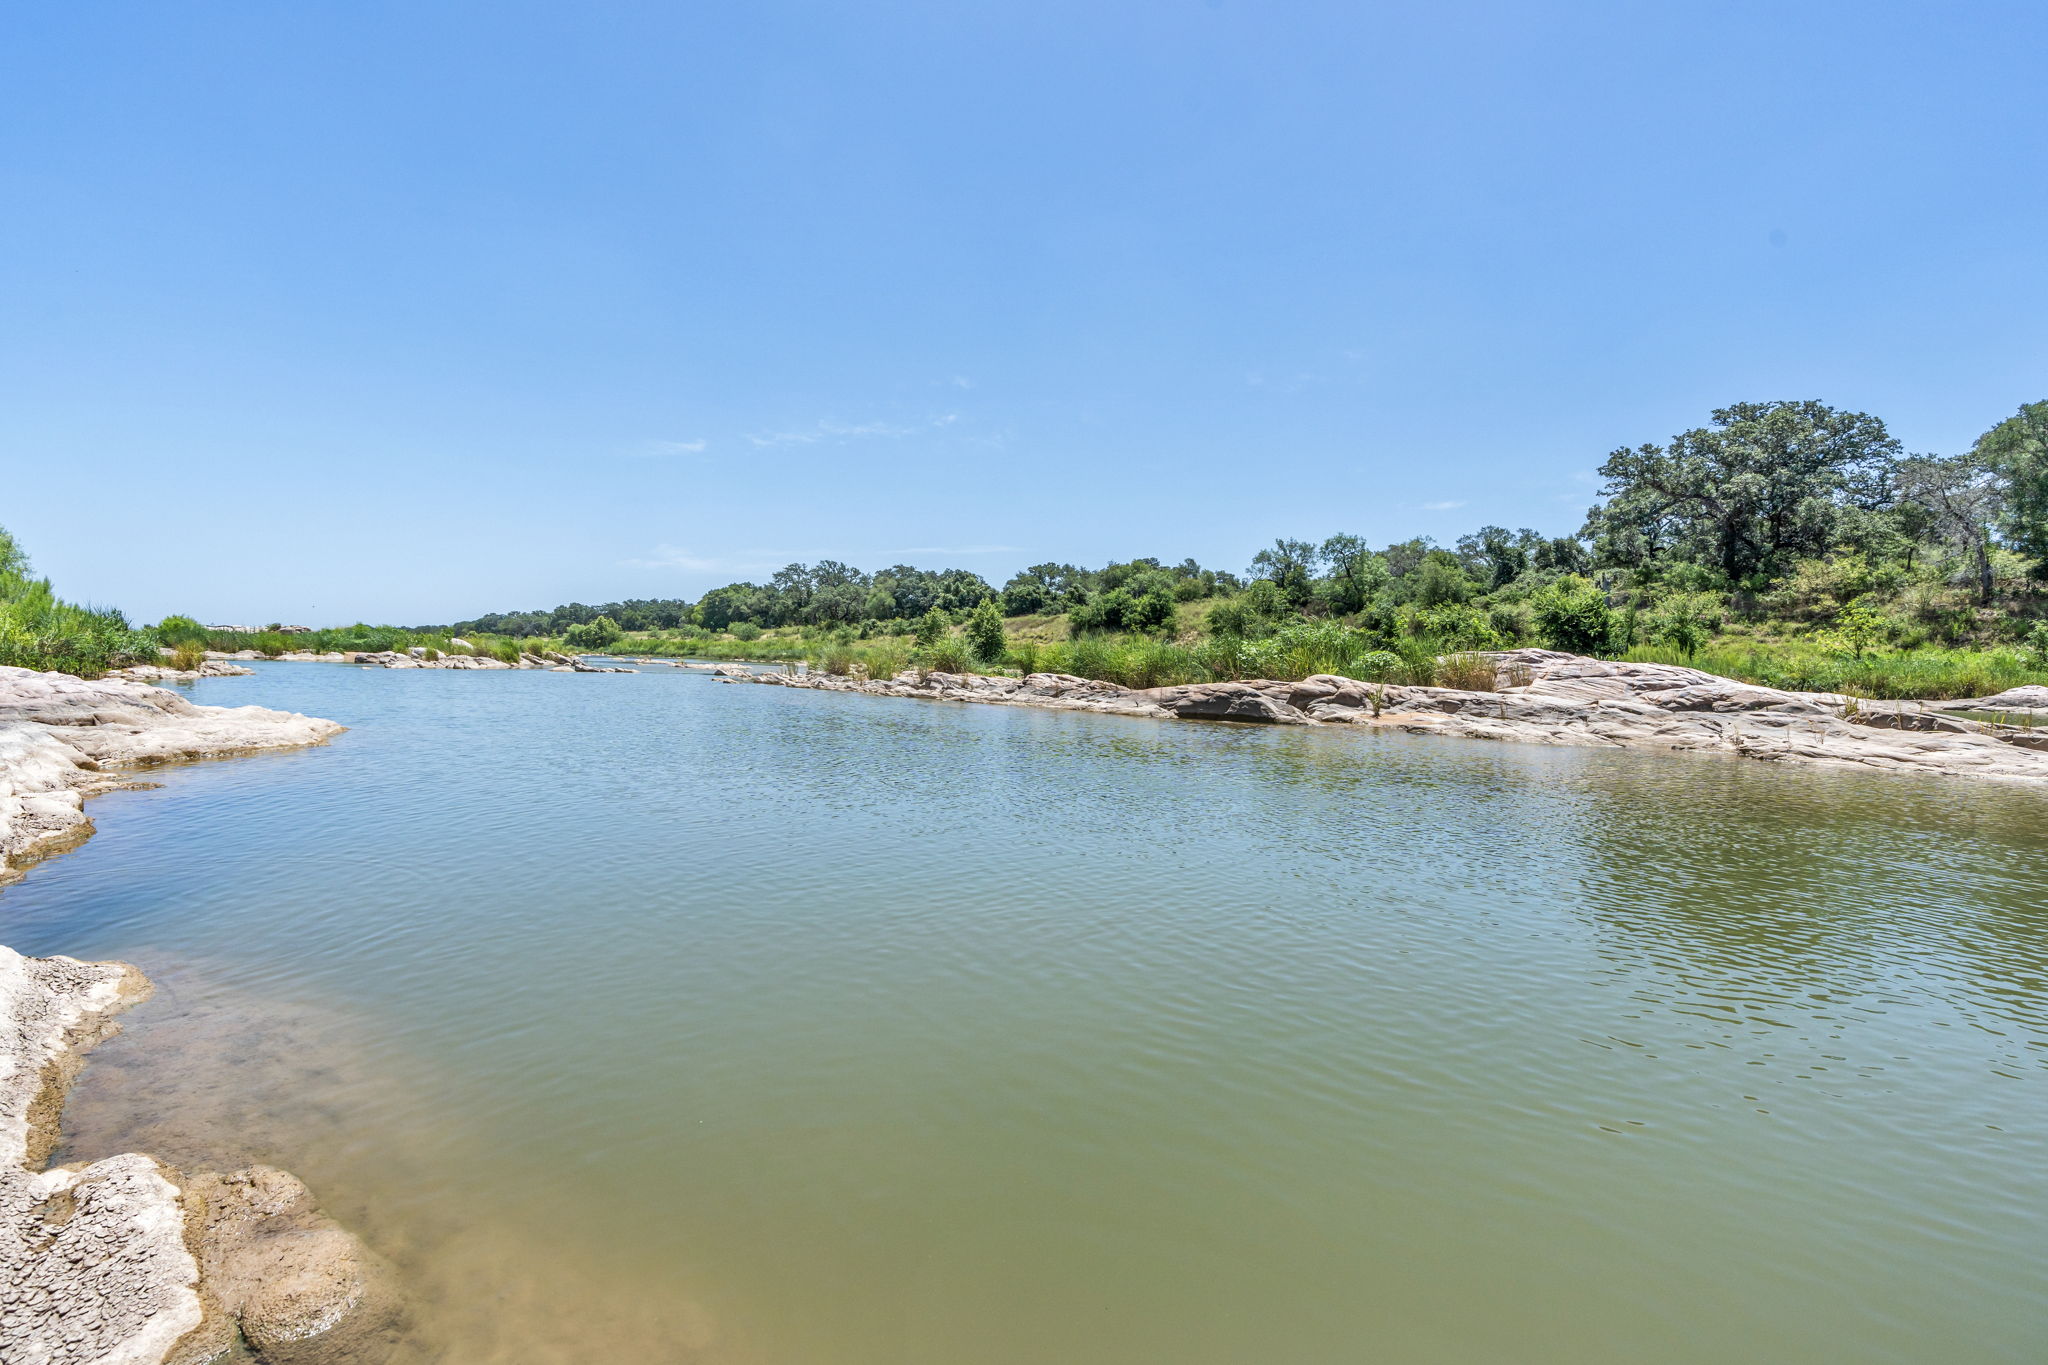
(644, 1018)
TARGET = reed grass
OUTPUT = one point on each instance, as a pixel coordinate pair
(42, 631)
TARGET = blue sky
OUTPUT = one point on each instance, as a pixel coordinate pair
(409, 311)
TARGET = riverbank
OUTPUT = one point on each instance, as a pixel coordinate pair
(126, 1258)
(1547, 697)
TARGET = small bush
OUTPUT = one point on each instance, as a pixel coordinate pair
(745, 631)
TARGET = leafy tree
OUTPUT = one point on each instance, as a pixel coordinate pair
(931, 628)
(985, 632)
(1026, 596)
(1565, 554)
(1765, 483)
(601, 633)
(1572, 614)
(13, 559)
(1953, 502)
(878, 605)
(1356, 574)
(1405, 557)
(1287, 565)
(2016, 450)
(1440, 579)
(719, 608)
(960, 590)
(1496, 555)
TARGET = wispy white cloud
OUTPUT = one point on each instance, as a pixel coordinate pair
(672, 557)
(1448, 504)
(829, 429)
(963, 549)
(1283, 383)
(670, 448)
(961, 381)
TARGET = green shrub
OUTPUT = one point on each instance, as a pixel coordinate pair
(985, 632)
(745, 631)
(1686, 621)
(1572, 614)
(1858, 629)
(175, 631)
(600, 634)
(40, 631)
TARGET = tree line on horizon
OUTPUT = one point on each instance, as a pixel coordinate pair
(1793, 508)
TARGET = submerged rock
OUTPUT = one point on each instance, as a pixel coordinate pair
(125, 1259)
(210, 668)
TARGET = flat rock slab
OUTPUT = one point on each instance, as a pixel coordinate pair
(1542, 697)
(63, 739)
(2031, 698)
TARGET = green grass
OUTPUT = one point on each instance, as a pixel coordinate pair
(40, 630)
(366, 639)
(1926, 673)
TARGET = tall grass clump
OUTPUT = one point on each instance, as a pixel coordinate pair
(947, 654)
(884, 660)
(1466, 673)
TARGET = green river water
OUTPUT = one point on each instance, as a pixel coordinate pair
(643, 1018)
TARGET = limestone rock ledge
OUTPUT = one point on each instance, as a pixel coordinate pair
(1545, 697)
(127, 1260)
(63, 739)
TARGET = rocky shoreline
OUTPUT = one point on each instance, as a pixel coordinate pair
(1545, 697)
(126, 1259)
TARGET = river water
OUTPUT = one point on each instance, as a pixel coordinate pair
(645, 1018)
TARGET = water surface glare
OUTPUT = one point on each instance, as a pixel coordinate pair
(647, 1018)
